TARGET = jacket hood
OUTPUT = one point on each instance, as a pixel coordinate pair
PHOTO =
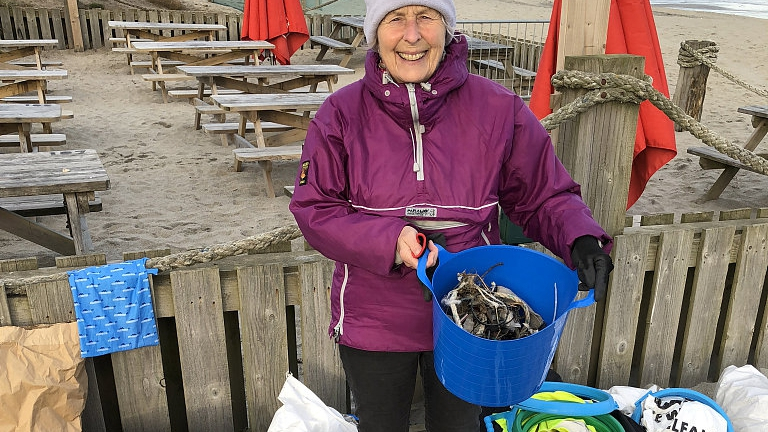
(450, 74)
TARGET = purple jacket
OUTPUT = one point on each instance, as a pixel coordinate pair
(371, 165)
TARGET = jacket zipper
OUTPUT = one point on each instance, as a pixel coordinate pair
(418, 129)
(338, 329)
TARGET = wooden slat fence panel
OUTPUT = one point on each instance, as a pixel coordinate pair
(323, 374)
(202, 349)
(18, 23)
(622, 313)
(704, 304)
(59, 30)
(31, 21)
(5, 24)
(140, 386)
(45, 25)
(746, 294)
(664, 310)
(265, 348)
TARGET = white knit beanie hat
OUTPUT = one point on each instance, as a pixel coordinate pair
(376, 10)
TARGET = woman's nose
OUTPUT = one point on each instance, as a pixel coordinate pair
(412, 33)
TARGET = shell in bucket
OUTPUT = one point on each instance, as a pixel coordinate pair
(500, 373)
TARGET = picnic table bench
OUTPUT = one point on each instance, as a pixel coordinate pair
(288, 109)
(333, 42)
(73, 175)
(710, 158)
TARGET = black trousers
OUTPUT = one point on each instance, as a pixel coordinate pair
(382, 386)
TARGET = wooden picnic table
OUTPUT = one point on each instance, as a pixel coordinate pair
(270, 79)
(710, 158)
(197, 53)
(288, 109)
(12, 49)
(333, 40)
(153, 31)
(75, 174)
(18, 118)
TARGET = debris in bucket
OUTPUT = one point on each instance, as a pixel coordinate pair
(491, 312)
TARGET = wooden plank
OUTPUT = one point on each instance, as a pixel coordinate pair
(703, 305)
(622, 310)
(263, 333)
(657, 219)
(5, 310)
(748, 279)
(59, 30)
(198, 304)
(706, 216)
(74, 24)
(323, 372)
(736, 214)
(84, 28)
(32, 27)
(49, 303)
(140, 386)
(88, 260)
(19, 264)
(95, 28)
(664, 310)
(18, 23)
(151, 253)
(5, 24)
(106, 32)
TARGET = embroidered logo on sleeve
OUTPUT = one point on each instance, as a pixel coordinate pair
(429, 212)
(304, 173)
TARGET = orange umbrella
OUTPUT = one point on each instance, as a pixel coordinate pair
(280, 22)
(631, 30)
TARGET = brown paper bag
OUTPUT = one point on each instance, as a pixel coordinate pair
(42, 378)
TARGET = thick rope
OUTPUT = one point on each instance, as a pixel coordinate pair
(607, 87)
(704, 56)
(252, 244)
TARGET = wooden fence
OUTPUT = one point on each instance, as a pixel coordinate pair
(686, 299)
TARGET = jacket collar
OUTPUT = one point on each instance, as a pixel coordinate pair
(450, 74)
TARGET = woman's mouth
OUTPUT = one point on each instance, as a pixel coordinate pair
(411, 57)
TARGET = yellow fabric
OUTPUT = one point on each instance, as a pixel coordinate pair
(562, 425)
(558, 396)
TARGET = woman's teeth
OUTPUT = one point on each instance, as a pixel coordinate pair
(411, 57)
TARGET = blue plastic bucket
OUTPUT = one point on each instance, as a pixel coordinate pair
(500, 373)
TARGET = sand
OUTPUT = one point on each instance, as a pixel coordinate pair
(175, 187)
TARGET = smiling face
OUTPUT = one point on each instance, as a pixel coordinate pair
(411, 42)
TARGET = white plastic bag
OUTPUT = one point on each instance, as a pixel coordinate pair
(303, 411)
(743, 394)
(626, 396)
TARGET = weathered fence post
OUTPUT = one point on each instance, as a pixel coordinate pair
(691, 81)
(596, 148)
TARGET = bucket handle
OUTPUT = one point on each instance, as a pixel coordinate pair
(589, 300)
(421, 267)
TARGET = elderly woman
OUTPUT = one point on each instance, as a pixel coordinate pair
(420, 145)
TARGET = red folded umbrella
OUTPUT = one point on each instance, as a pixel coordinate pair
(631, 30)
(280, 22)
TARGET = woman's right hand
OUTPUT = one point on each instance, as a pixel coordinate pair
(408, 246)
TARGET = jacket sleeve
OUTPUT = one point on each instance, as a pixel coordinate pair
(321, 206)
(537, 193)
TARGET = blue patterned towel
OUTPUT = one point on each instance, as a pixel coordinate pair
(113, 307)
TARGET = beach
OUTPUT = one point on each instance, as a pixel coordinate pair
(175, 187)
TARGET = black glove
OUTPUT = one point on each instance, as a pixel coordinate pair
(592, 265)
(437, 238)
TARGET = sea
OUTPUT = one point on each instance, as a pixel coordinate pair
(749, 8)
